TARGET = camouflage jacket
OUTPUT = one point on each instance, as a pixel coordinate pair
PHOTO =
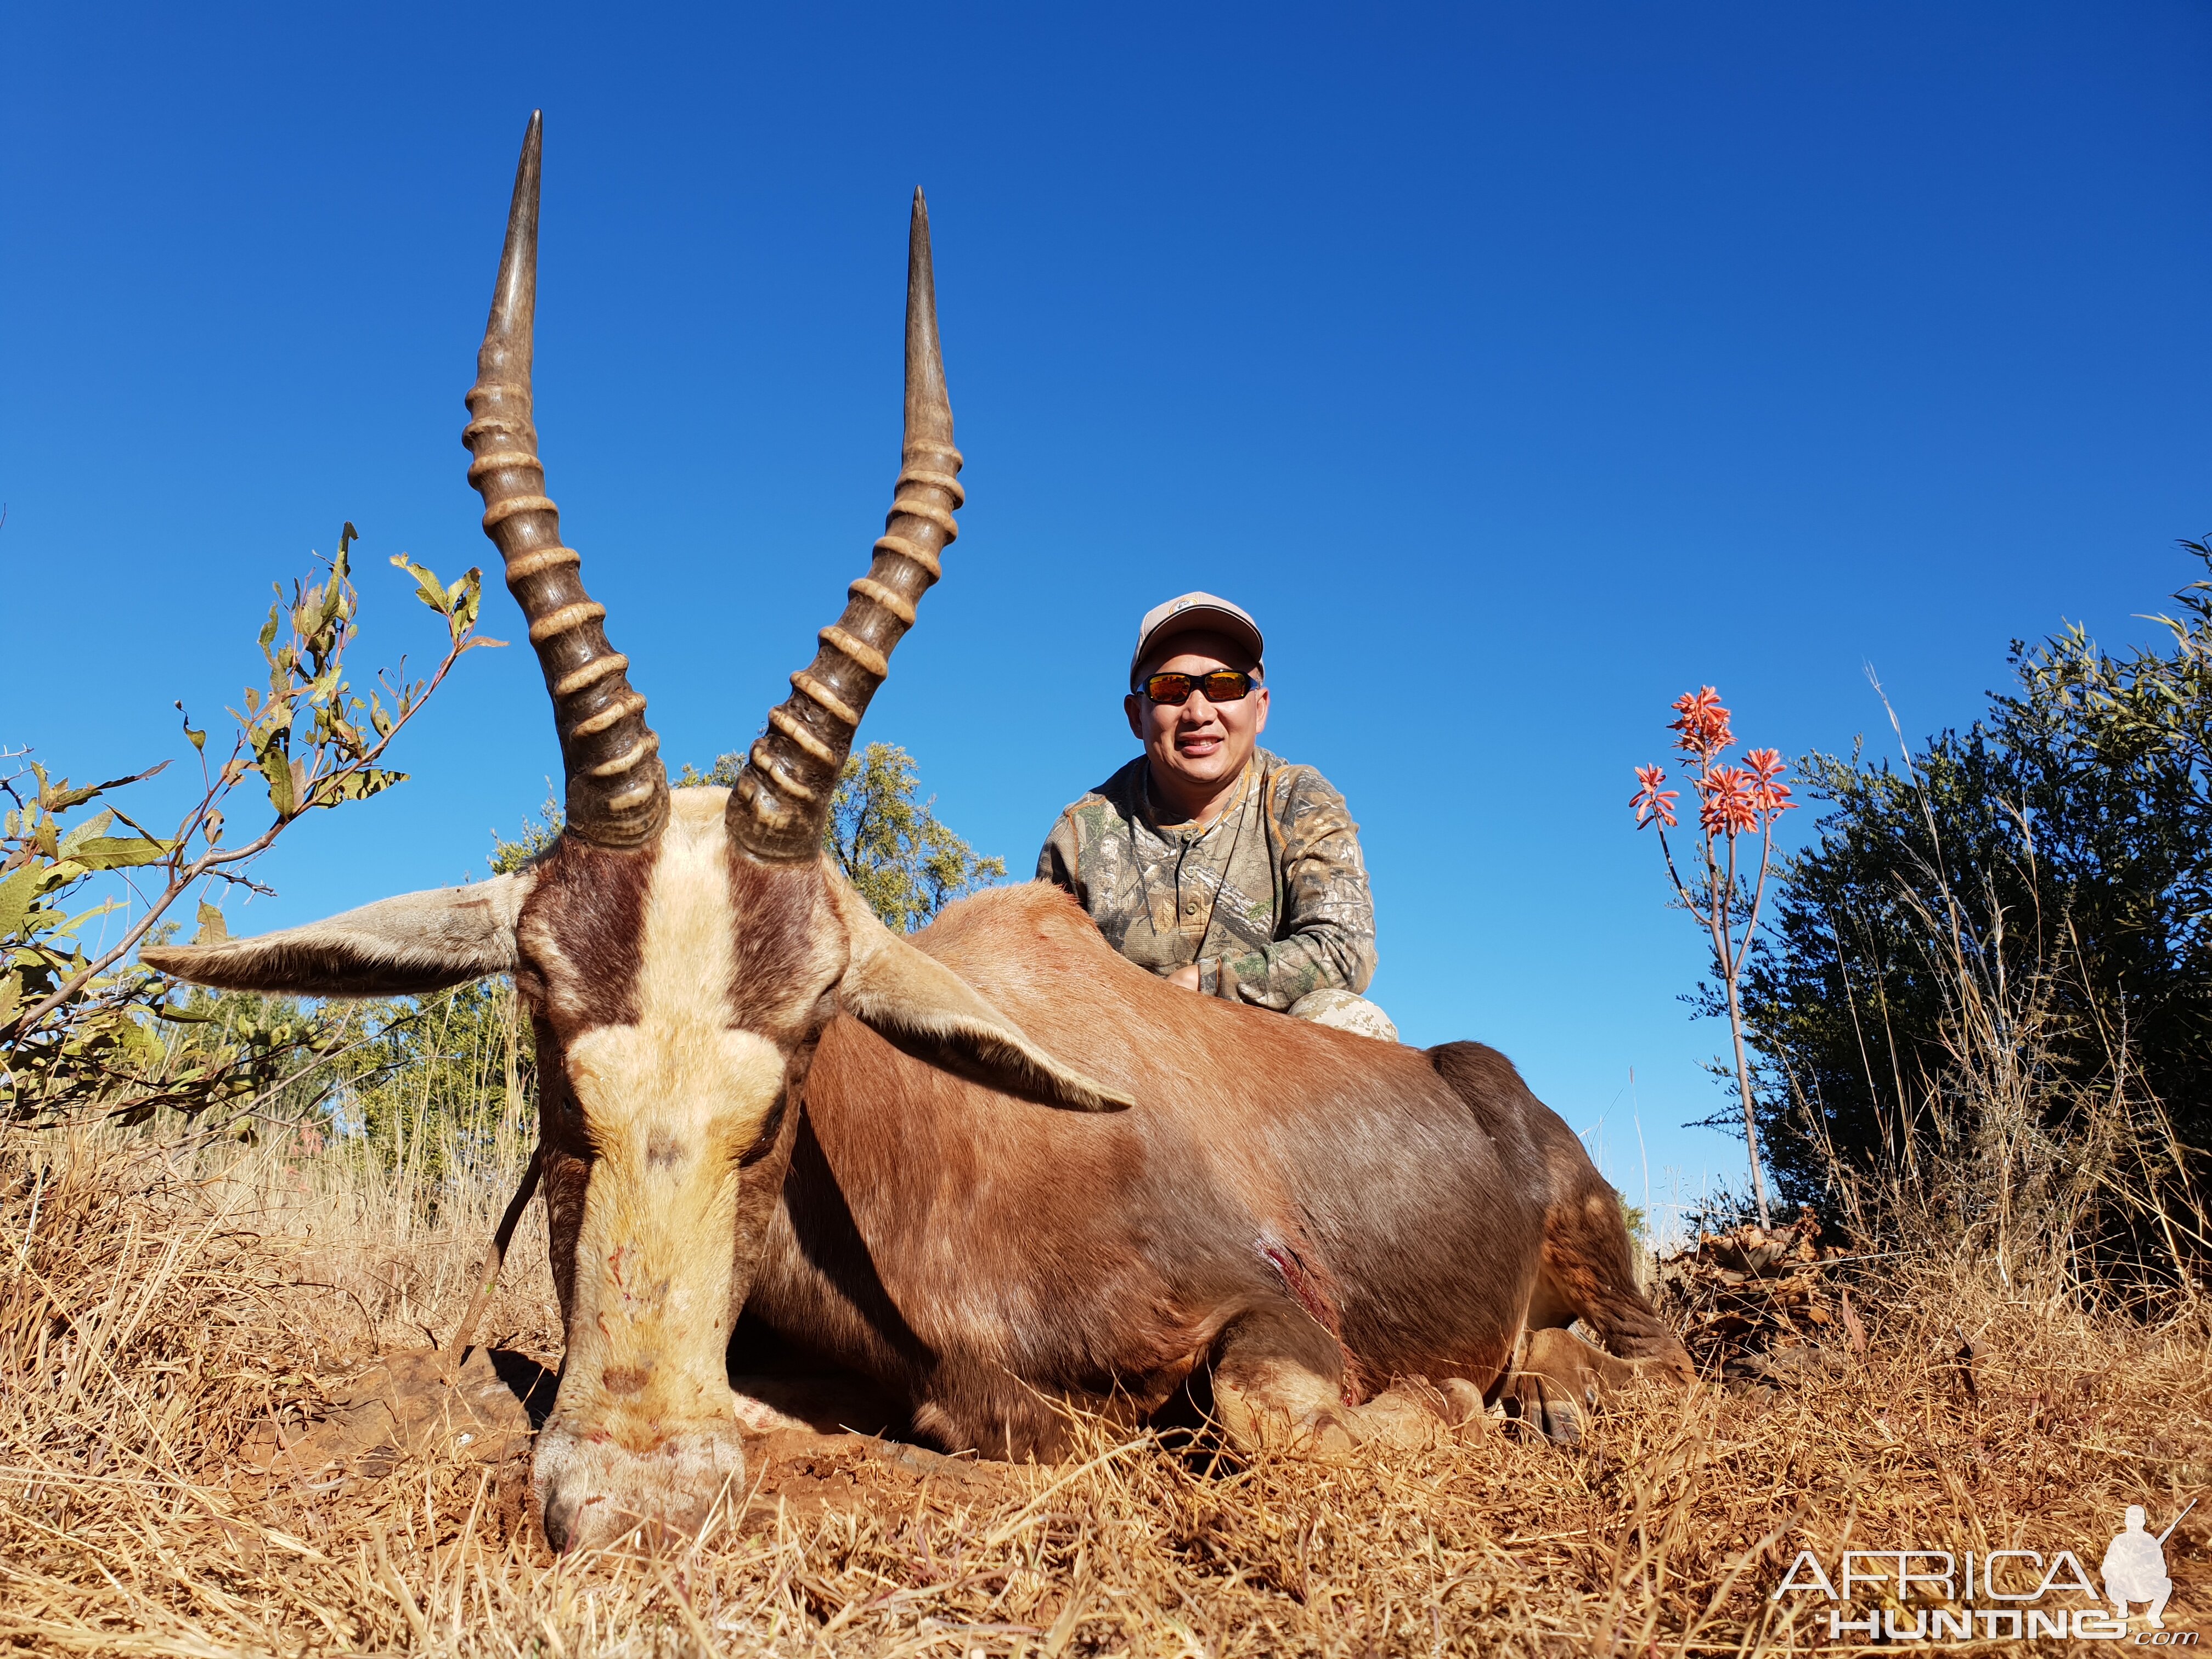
(1271, 902)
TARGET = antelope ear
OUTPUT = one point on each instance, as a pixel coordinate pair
(396, 947)
(919, 1004)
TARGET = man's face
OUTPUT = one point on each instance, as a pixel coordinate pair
(1199, 744)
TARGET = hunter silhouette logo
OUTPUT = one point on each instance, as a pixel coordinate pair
(1999, 1596)
(2135, 1567)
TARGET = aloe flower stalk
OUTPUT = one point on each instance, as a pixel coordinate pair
(1733, 802)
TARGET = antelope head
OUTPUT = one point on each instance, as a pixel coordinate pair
(679, 955)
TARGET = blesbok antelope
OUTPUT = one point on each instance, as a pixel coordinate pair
(993, 1167)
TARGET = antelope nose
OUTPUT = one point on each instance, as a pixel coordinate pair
(590, 1491)
(558, 1521)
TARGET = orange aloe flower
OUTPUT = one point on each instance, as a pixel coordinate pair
(1729, 807)
(1702, 723)
(1771, 796)
(1649, 800)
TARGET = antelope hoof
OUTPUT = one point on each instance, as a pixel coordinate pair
(1302, 1415)
(1559, 1384)
(1401, 1417)
(589, 1490)
(1544, 1407)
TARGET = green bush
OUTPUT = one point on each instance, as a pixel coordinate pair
(2028, 897)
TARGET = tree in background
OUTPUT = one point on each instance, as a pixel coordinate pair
(1734, 802)
(2038, 886)
(541, 832)
(906, 864)
(891, 847)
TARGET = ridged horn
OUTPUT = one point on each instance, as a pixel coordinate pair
(617, 789)
(781, 801)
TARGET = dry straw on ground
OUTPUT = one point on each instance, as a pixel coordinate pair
(164, 1316)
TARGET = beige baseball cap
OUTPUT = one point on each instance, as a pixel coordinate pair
(1189, 613)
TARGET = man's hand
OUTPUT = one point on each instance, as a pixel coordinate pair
(1186, 978)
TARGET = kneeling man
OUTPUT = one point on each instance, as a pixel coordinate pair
(1218, 865)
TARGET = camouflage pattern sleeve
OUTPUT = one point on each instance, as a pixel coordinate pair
(1326, 936)
(1061, 856)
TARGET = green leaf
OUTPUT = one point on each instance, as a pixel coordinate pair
(16, 893)
(37, 924)
(95, 826)
(60, 797)
(139, 1045)
(273, 732)
(426, 585)
(182, 1016)
(11, 996)
(213, 929)
(357, 786)
(120, 852)
(278, 770)
(468, 599)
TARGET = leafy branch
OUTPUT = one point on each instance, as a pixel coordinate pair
(70, 1017)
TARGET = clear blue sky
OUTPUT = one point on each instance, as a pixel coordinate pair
(1520, 367)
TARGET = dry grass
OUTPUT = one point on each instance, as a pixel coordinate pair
(158, 1310)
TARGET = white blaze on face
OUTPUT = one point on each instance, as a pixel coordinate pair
(672, 1103)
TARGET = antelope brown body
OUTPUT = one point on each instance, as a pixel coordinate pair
(1292, 1216)
(994, 1168)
